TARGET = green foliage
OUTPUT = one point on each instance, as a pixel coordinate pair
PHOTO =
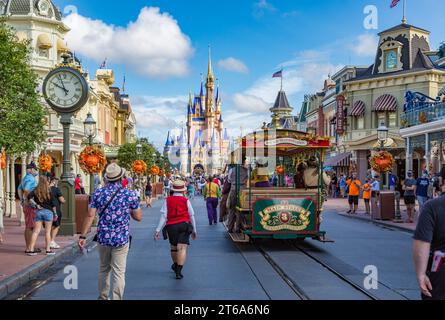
(21, 113)
(127, 154)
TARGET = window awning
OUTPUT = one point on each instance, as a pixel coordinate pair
(340, 160)
(358, 109)
(385, 102)
(43, 41)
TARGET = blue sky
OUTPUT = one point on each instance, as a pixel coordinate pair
(163, 51)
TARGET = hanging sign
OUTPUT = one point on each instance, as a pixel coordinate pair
(340, 113)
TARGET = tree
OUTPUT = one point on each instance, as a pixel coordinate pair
(127, 154)
(21, 113)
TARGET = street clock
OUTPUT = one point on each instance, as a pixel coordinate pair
(65, 90)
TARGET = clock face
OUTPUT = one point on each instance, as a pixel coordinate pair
(65, 90)
(391, 60)
(43, 6)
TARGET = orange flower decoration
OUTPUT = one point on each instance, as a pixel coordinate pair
(155, 170)
(45, 163)
(280, 170)
(382, 161)
(92, 160)
(3, 159)
(139, 167)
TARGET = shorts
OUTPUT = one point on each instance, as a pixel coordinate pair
(179, 233)
(353, 200)
(148, 193)
(30, 214)
(366, 200)
(44, 215)
(409, 200)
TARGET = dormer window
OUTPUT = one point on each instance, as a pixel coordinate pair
(391, 58)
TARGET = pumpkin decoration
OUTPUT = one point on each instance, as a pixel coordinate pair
(280, 170)
(139, 167)
(45, 163)
(3, 159)
(382, 161)
(92, 160)
(155, 170)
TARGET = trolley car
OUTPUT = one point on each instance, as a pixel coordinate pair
(270, 208)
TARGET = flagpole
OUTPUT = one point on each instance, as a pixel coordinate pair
(404, 12)
(281, 79)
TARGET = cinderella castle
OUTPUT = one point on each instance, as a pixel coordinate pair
(202, 146)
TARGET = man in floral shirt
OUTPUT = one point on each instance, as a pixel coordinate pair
(114, 206)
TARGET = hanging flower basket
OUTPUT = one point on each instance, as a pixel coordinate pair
(155, 170)
(382, 161)
(3, 160)
(92, 160)
(45, 163)
(280, 170)
(139, 167)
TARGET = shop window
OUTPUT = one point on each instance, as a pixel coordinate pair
(381, 118)
(392, 119)
(360, 123)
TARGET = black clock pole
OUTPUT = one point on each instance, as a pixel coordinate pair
(68, 225)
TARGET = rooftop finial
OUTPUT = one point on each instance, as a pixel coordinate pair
(209, 68)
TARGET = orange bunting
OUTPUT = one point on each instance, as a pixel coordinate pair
(92, 160)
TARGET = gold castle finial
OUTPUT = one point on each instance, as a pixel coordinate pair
(210, 69)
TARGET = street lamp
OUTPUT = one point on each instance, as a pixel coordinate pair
(382, 136)
(139, 150)
(89, 127)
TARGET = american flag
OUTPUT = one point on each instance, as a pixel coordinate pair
(123, 86)
(278, 74)
(394, 3)
(104, 64)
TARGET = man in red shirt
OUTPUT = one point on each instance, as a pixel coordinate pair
(178, 217)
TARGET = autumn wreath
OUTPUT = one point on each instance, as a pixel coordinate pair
(45, 163)
(155, 170)
(139, 167)
(382, 161)
(280, 170)
(92, 160)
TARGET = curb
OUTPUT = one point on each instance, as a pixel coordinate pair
(21, 278)
(377, 222)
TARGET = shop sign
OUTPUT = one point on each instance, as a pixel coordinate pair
(340, 114)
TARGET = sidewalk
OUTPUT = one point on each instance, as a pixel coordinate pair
(341, 206)
(16, 268)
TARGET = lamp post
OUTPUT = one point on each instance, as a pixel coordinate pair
(382, 136)
(89, 127)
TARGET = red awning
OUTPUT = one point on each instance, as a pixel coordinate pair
(385, 102)
(358, 109)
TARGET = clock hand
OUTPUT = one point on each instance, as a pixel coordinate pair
(66, 91)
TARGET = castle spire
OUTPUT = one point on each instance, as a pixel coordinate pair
(209, 67)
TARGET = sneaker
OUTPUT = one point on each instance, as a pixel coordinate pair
(174, 267)
(31, 253)
(349, 211)
(50, 253)
(54, 245)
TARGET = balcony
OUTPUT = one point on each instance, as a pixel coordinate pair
(423, 113)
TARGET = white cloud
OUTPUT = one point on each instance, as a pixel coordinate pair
(249, 103)
(365, 45)
(232, 64)
(153, 45)
(261, 6)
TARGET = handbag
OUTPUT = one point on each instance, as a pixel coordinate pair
(105, 208)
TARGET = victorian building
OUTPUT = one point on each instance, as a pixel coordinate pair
(40, 22)
(202, 145)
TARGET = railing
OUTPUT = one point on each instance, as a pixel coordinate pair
(423, 113)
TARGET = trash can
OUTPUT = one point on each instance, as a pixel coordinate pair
(383, 206)
(82, 201)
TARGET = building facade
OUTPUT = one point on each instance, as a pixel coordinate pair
(203, 143)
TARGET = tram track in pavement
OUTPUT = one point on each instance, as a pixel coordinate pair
(298, 269)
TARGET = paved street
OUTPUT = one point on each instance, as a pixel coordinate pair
(219, 269)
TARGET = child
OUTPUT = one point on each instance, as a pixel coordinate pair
(367, 196)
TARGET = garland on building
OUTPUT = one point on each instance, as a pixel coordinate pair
(92, 160)
(139, 167)
(155, 170)
(382, 161)
(45, 163)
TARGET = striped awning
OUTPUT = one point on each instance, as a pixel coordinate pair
(385, 102)
(358, 109)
